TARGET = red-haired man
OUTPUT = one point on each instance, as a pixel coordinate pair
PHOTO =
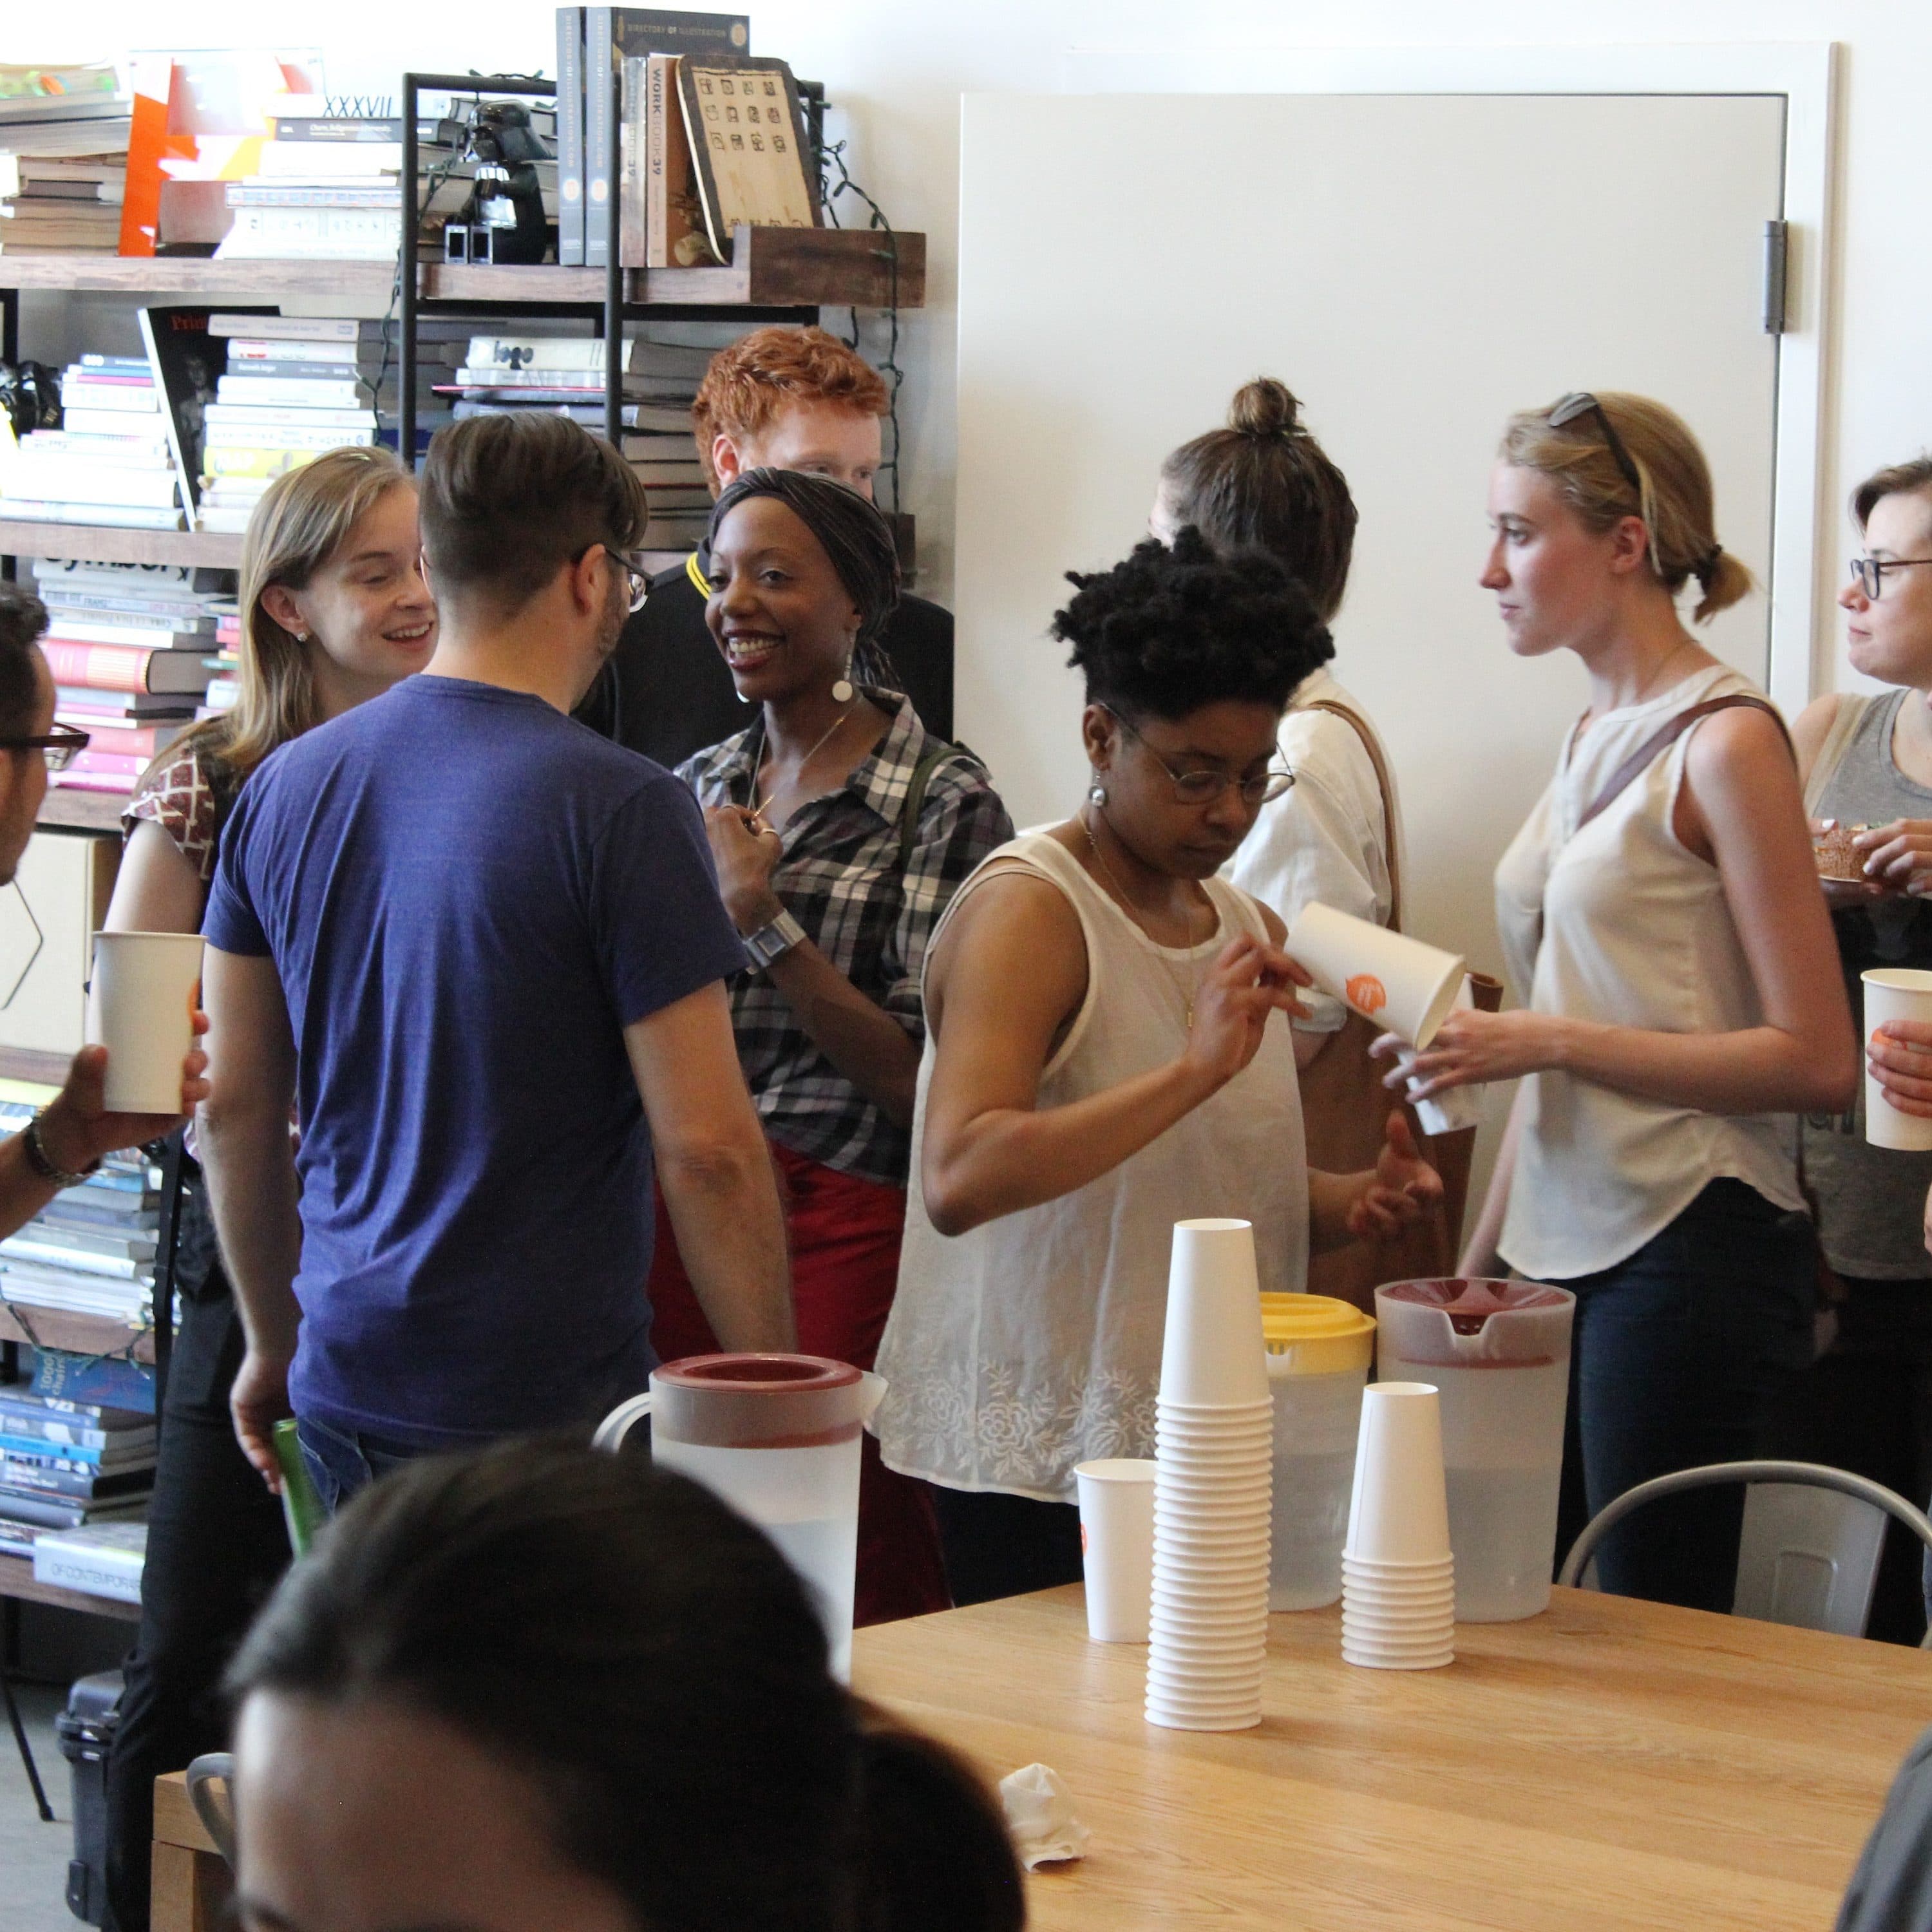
(780, 398)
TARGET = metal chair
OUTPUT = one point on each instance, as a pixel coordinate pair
(1809, 1553)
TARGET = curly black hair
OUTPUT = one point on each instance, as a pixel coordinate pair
(22, 618)
(1170, 629)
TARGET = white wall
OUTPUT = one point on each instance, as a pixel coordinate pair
(897, 68)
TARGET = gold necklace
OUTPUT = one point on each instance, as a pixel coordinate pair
(1127, 906)
(798, 773)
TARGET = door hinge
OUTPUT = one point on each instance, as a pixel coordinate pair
(1776, 274)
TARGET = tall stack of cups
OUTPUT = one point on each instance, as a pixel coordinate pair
(1398, 1576)
(1214, 1475)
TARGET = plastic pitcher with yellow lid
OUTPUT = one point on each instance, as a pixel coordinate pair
(1318, 1352)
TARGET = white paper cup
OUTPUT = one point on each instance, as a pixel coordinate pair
(1383, 1660)
(1212, 1351)
(1117, 1547)
(1893, 993)
(1397, 982)
(1399, 1510)
(1171, 1718)
(140, 1007)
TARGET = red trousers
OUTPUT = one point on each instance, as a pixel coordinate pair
(844, 1266)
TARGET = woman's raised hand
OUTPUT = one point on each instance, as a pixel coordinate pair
(1897, 857)
(1248, 982)
(1470, 1048)
(746, 853)
(1403, 1187)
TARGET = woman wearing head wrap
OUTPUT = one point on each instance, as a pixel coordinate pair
(841, 831)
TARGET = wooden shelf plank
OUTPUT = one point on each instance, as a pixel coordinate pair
(103, 543)
(30, 1064)
(77, 811)
(81, 1334)
(17, 1579)
(773, 268)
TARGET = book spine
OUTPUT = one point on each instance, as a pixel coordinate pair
(94, 1573)
(18, 1473)
(660, 87)
(570, 136)
(66, 1458)
(98, 666)
(599, 53)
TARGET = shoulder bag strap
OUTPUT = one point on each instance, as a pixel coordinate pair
(1667, 735)
(935, 755)
(1374, 752)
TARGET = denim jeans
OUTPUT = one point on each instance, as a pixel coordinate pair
(1679, 1357)
(340, 1465)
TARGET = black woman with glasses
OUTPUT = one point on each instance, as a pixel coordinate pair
(1104, 1058)
(1866, 762)
(1661, 922)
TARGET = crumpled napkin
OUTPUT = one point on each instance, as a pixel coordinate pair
(1039, 1816)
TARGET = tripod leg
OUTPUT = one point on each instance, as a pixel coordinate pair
(33, 1770)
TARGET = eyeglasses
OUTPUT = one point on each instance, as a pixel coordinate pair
(1204, 787)
(632, 564)
(59, 747)
(1581, 403)
(1868, 572)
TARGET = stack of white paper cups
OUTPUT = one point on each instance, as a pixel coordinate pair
(1398, 1576)
(1214, 1470)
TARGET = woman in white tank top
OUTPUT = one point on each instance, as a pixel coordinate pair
(1681, 989)
(1100, 1063)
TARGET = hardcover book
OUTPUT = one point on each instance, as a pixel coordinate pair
(187, 358)
(745, 126)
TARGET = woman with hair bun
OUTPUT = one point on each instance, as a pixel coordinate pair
(334, 611)
(1264, 483)
(1100, 1063)
(1659, 914)
(538, 1687)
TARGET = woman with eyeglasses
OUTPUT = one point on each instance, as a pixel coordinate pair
(1101, 1064)
(841, 829)
(1867, 763)
(335, 611)
(1661, 919)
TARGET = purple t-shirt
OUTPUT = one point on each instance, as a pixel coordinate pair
(467, 897)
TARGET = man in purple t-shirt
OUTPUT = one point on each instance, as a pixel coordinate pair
(480, 951)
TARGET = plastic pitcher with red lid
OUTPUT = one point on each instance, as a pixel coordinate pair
(1499, 1352)
(777, 1436)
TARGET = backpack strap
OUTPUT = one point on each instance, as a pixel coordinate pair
(1382, 780)
(1667, 735)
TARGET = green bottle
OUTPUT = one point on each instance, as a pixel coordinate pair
(300, 1504)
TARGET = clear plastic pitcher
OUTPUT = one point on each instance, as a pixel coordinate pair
(1499, 1351)
(1318, 1361)
(777, 1437)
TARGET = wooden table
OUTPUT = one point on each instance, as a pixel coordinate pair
(1610, 1764)
(190, 1888)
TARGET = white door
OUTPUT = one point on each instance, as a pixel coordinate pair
(1414, 268)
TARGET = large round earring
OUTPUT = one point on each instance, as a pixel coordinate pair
(842, 691)
(1096, 793)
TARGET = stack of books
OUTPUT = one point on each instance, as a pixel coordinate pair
(564, 374)
(224, 686)
(57, 206)
(91, 1250)
(111, 461)
(65, 1464)
(64, 135)
(129, 646)
(293, 386)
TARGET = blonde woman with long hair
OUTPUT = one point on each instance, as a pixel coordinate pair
(1661, 922)
(334, 611)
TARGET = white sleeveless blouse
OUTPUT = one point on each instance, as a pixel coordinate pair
(1636, 932)
(1033, 1342)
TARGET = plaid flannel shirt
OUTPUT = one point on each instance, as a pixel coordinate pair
(838, 876)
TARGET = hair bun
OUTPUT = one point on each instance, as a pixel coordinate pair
(1264, 407)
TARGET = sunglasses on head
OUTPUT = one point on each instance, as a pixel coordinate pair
(1581, 403)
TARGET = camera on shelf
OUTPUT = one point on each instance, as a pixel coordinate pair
(503, 219)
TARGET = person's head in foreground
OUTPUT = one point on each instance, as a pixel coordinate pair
(26, 714)
(784, 398)
(1602, 512)
(538, 1687)
(1264, 483)
(334, 609)
(530, 529)
(1190, 660)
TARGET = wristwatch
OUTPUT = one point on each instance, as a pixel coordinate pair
(774, 940)
(42, 1163)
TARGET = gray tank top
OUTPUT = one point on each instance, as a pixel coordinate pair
(1871, 1201)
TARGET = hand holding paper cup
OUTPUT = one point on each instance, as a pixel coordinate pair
(1457, 1108)
(1893, 993)
(140, 1007)
(1397, 982)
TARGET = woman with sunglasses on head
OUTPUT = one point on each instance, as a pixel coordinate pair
(334, 612)
(1660, 916)
(1101, 1064)
(1867, 763)
(841, 829)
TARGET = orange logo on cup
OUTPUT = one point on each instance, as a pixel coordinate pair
(1366, 994)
